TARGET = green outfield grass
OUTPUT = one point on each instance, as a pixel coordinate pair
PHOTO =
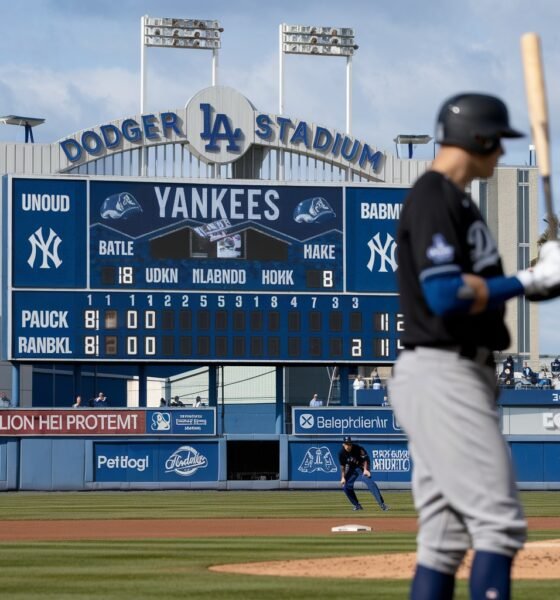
(178, 568)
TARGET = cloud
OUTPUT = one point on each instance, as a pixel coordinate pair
(69, 100)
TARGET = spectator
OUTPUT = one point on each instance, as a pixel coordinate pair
(176, 402)
(375, 380)
(101, 401)
(509, 364)
(162, 402)
(556, 383)
(555, 366)
(198, 402)
(529, 374)
(4, 400)
(315, 401)
(359, 383)
(78, 402)
(545, 379)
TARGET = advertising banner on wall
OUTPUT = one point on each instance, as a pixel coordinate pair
(199, 421)
(156, 462)
(318, 460)
(102, 422)
(534, 420)
(25, 422)
(345, 421)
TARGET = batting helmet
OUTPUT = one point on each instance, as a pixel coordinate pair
(474, 122)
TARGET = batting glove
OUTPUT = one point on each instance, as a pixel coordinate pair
(542, 282)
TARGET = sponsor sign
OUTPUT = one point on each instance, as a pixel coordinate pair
(156, 462)
(534, 420)
(197, 421)
(183, 422)
(318, 461)
(345, 421)
(25, 422)
(220, 125)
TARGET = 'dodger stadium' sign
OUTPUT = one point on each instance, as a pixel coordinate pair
(220, 125)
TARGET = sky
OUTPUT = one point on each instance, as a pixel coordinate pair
(76, 63)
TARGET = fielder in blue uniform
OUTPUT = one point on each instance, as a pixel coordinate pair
(443, 391)
(354, 462)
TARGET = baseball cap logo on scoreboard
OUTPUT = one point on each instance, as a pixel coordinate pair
(120, 206)
(313, 210)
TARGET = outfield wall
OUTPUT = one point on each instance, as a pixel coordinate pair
(138, 449)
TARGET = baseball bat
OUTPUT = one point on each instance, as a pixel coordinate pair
(538, 116)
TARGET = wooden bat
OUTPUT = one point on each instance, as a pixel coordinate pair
(538, 116)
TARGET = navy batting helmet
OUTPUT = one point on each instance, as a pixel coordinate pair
(474, 122)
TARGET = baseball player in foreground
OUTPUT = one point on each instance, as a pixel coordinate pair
(354, 461)
(443, 391)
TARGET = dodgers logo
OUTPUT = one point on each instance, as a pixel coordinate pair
(318, 458)
(48, 247)
(120, 206)
(221, 129)
(185, 461)
(161, 421)
(484, 251)
(313, 210)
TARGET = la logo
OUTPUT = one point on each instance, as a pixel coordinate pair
(220, 129)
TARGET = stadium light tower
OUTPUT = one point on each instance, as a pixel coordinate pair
(318, 41)
(186, 34)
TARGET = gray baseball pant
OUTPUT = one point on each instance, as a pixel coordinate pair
(463, 482)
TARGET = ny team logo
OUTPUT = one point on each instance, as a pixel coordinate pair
(385, 251)
(48, 247)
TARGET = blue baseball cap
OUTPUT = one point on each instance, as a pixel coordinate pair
(347, 439)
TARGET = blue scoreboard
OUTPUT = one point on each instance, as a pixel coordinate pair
(143, 270)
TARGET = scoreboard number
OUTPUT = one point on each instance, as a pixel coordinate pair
(125, 275)
(91, 319)
(91, 345)
(356, 347)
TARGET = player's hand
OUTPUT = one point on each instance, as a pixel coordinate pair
(367, 473)
(342, 481)
(542, 282)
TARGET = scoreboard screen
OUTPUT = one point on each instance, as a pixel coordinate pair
(119, 270)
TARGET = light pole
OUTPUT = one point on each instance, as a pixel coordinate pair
(186, 34)
(27, 122)
(318, 41)
(411, 141)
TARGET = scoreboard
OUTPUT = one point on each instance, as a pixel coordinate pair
(107, 269)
